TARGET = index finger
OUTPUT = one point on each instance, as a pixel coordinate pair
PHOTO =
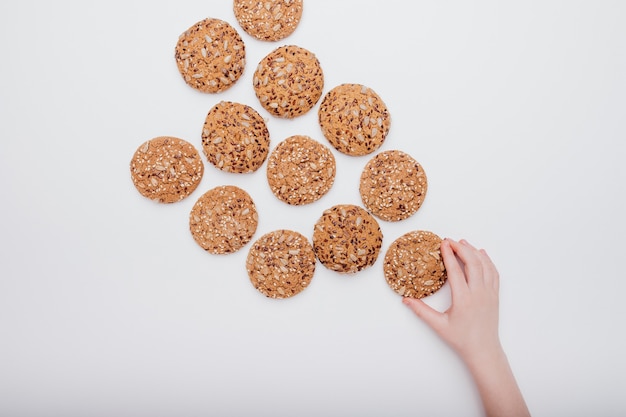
(456, 276)
(473, 263)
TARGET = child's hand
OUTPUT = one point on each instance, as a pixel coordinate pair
(470, 325)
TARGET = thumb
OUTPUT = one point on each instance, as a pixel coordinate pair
(425, 312)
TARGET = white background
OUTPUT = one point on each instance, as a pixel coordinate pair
(109, 308)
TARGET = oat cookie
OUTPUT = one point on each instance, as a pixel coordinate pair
(269, 20)
(210, 55)
(223, 219)
(354, 119)
(166, 169)
(347, 239)
(300, 170)
(288, 81)
(235, 137)
(281, 263)
(413, 266)
(393, 185)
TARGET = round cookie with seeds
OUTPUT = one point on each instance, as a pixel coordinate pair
(235, 137)
(269, 20)
(166, 169)
(281, 263)
(354, 119)
(210, 55)
(288, 81)
(393, 185)
(347, 238)
(300, 170)
(413, 266)
(223, 220)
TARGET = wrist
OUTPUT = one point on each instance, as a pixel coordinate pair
(483, 356)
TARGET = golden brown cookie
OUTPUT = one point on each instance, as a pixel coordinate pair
(235, 137)
(166, 169)
(223, 219)
(288, 81)
(347, 238)
(281, 263)
(300, 170)
(393, 185)
(269, 20)
(354, 119)
(210, 55)
(413, 266)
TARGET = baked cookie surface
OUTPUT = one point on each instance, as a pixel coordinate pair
(354, 119)
(166, 169)
(235, 137)
(210, 55)
(223, 219)
(288, 81)
(281, 263)
(413, 265)
(300, 170)
(393, 185)
(269, 20)
(347, 238)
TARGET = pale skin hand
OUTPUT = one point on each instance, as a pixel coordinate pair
(470, 326)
